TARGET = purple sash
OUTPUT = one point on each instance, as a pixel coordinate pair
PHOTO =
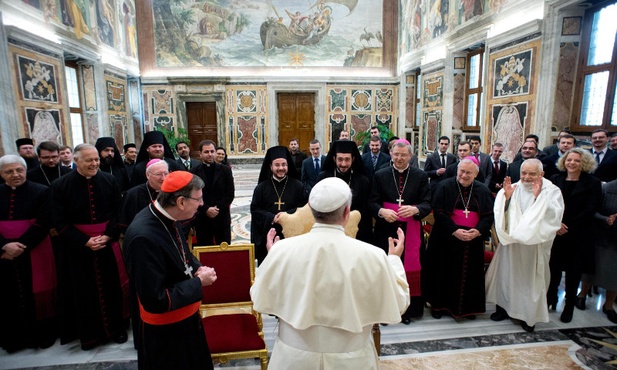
(99, 229)
(44, 278)
(459, 218)
(411, 261)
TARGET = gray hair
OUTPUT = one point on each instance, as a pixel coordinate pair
(467, 161)
(331, 217)
(79, 148)
(401, 144)
(533, 161)
(12, 159)
(168, 200)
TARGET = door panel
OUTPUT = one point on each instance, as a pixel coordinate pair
(296, 118)
(202, 124)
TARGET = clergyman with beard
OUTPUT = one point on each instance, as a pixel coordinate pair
(154, 145)
(527, 217)
(111, 161)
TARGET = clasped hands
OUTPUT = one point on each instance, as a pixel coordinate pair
(391, 215)
(206, 275)
(466, 235)
(12, 250)
(97, 242)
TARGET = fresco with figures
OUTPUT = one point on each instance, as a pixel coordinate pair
(268, 33)
(426, 20)
(106, 22)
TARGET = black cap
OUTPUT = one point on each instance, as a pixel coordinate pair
(273, 153)
(129, 145)
(24, 141)
(343, 146)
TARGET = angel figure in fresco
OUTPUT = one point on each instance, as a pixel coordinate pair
(130, 35)
(106, 24)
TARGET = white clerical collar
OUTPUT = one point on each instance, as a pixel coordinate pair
(277, 180)
(400, 171)
(318, 225)
(158, 206)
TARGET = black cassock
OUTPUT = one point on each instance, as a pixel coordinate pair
(90, 292)
(134, 200)
(19, 326)
(153, 247)
(263, 209)
(386, 187)
(453, 272)
(360, 192)
(46, 175)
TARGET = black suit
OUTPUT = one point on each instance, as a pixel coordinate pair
(384, 147)
(486, 167)
(607, 169)
(193, 163)
(549, 164)
(383, 161)
(497, 178)
(514, 170)
(433, 163)
(309, 175)
(219, 192)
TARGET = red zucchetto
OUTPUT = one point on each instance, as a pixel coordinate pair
(176, 181)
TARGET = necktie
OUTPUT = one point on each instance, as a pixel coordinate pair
(374, 161)
(598, 157)
(317, 165)
(443, 161)
(477, 155)
(496, 169)
(187, 164)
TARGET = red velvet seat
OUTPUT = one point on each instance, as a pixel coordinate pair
(233, 328)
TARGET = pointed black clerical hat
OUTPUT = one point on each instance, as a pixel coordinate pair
(344, 146)
(151, 138)
(273, 153)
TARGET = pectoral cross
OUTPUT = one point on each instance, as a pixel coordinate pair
(466, 212)
(400, 200)
(188, 270)
(279, 204)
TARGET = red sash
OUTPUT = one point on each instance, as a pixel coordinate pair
(44, 278)
(169, 317)
(459, 218)
(99, 229)
(411, 261)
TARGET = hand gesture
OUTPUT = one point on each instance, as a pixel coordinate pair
(212, 212)
(408, 211)
(397, 246)
(206, 275)
(611, 219)
(508, 188)
(13, 250)
(271, 238)
(536, 187)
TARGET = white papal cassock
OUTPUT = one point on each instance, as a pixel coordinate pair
(518, 276)
(328, 290)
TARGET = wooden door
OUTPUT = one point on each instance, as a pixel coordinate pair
(201, 117)
(296, 118)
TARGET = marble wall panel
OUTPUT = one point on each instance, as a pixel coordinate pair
(410, 106)
(89, 87)
(247, 134)
(458, 101)
(92, 127)
(432, 93)
(246, 112)
(44, 124)
(568, 54)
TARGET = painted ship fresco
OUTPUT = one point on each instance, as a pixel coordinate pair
(302, 29)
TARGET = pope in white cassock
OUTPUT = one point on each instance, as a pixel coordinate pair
(527, 217)
(328, 289)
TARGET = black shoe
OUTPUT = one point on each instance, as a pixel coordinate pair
(526, 327)
(47, 342)
(580, 303)
(610, 314)
(120, 337)
(471, 317)
(406, 320)
(499, 315)
(436, 314)
(552, 303)
(566, 315)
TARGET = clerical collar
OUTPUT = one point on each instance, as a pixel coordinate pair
(277, 180)
(160, 208)
(87, 177)
(400, 171)
(464, 187)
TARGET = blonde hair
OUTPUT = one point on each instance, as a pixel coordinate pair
(588, 164)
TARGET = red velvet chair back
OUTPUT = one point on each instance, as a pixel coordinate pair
(235, 270)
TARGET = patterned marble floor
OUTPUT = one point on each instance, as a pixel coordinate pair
(426, 343)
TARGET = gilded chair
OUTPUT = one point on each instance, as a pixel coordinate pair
(301, 222)
(233, 328)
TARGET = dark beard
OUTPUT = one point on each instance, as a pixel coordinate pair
(107, 160)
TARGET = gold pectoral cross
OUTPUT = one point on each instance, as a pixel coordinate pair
(279, 204)
(400, 200)
(466, 212)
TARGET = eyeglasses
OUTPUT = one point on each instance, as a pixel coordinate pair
(48, 157)
(196, 199)
(159, 174)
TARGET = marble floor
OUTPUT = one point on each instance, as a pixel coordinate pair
(588, 342)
